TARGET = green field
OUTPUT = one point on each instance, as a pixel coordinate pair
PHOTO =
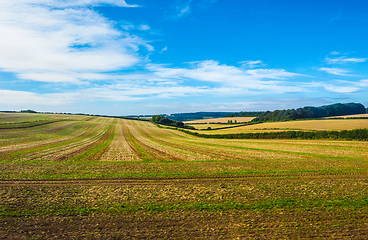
(69, 176)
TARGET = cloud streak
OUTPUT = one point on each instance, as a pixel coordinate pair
(343, 60)
(335, 71)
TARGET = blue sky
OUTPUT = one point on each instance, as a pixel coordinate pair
(120, 57)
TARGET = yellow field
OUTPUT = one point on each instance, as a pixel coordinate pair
(221, 120)
(326, 125)
(351, 116)
(212, 125)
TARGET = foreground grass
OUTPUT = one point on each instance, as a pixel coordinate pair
(194, 209)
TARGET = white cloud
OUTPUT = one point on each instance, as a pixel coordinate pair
(180, 8)
(335, 71)
(229, 76)
(363, 83)
(341, 86)
(335, 53)
(184, 9)
(23, 99)
(340, 89)
(159, 82)
(54, 39)
(110, 93)
(74, 3)
(163, 50)
(251, 64)
(342, 60)
(144, 27)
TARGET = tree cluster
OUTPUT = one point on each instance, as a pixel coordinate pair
(337, 109)
(159, 119)
(28, 111)
(244, 114)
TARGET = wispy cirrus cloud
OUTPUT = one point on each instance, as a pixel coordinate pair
(78, 3)
(183, 8)
(54, 41)
(340, 89)
(335, 71)
(363, 83)
(334, 59)
(342, 60)
(252, 64)
(341, 86)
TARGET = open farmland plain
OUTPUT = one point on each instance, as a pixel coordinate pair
(69, 176)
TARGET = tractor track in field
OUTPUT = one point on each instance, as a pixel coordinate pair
(187, 180)
(120, 149)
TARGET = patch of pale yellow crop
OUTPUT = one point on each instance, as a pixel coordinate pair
(307, 125)
(351, 116)
(212, 126)
(222, 120)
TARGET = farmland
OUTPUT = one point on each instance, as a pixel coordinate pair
(305, 125)
(70, 176)
(364, 115)
(221, 120)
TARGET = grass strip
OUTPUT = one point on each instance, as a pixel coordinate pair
(288, 203)
(178, 175)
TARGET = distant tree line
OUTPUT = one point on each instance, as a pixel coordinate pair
(159, 119)
(244, 114)
(311, 112)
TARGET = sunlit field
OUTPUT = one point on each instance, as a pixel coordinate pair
(67, 175)
(364, 115)
(306, 125)
(221, 120)
(213, 126)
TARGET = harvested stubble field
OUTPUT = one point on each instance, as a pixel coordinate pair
(95, 177)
